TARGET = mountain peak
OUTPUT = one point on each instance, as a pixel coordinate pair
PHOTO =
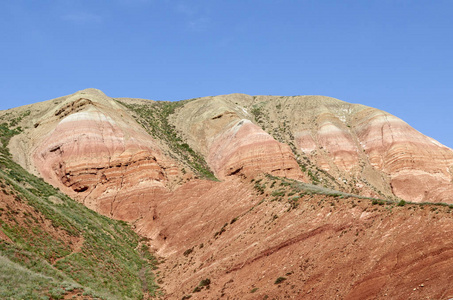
(90, 91)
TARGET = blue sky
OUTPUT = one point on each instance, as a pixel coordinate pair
(393, 55)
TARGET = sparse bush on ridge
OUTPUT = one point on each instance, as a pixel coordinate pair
(296, 187)
(154, 118)
(402, 203)
(203, 284)
(188, 252)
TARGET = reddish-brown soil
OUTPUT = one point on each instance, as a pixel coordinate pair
(237, 239)
(77, 295)
(16, 213)
(325, 248)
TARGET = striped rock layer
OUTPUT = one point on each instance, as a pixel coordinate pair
(93, 148)
(242, 238)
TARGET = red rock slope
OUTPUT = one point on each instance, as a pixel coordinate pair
(321, 247)
(244, 235)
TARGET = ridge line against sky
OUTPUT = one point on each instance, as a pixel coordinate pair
(391, 55)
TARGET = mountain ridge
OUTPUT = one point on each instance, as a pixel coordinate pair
(219, 186)
(314, 146)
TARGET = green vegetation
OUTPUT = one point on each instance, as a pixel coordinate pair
(188, 252)
(258, 112)
(402, 203)
(278, 193)
(296, 189)
(279, 280)
(282, 133)
(154, 118)
(205, 283)
(222, 230)
(10, 129)
(380, 202)
(435, 204)
(294, 202)
(41, 259)
(259, 187)
(314, 179)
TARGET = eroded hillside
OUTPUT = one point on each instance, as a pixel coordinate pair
(345, 146)
(281, 241)
(255, 196)
(52, 246)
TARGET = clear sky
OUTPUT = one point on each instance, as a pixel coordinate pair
(395, 55)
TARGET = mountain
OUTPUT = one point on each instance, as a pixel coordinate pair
(254, 197)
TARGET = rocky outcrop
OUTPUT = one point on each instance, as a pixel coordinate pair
(231, 142)
(246, 149)
(101, 158)
(89, 139)
(419, 167)
(352, 147)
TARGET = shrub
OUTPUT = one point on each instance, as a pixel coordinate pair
(402, 203)
(279, 280)
(205, 282)
(188, 251)
(155, 119)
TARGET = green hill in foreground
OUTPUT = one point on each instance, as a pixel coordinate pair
(51, 246)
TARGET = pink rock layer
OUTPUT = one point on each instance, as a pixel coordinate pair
(246, 149)
(324, 247)
(419, 167)
(92, 158)
(413, 166)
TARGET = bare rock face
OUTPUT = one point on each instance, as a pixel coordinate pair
(97, 154)
(245, 148)
(356, 148)
(88, 139)
(419, 167)
(324, 247)
(231, 142)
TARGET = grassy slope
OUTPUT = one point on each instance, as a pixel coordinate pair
(36, 263)
(154, 118)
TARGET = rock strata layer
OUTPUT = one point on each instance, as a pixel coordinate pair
(344, 146)
(98, 158)
(254, 235)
